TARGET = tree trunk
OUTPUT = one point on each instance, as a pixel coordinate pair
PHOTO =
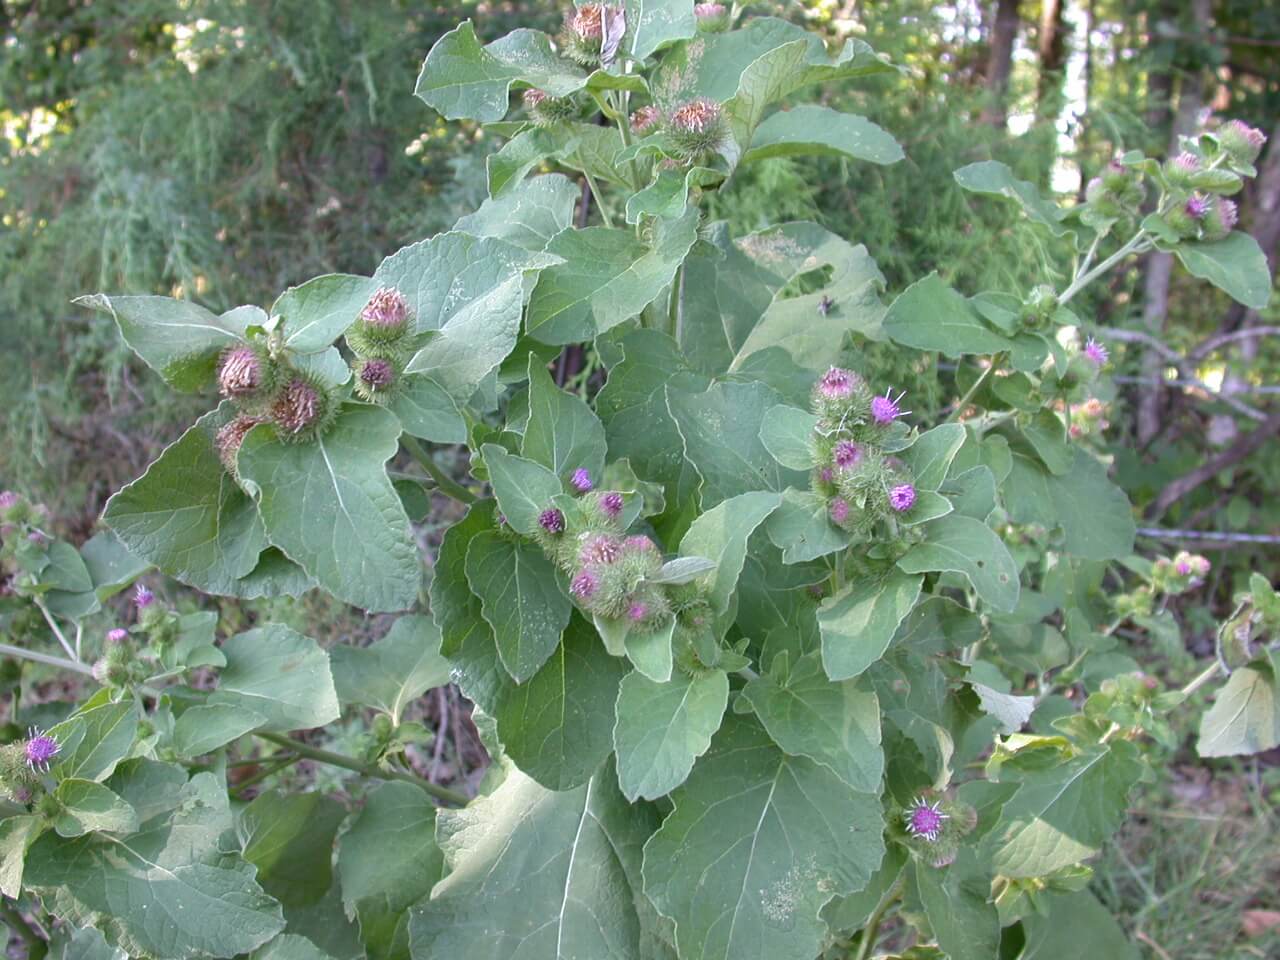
(1052, 59)
(1000, 62)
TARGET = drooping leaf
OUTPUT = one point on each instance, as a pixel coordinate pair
(1235, 264)
(834, 723)
(16, 835)
(280, 674)
(970, 547)
(757, 843)
(317, 312)
(391, 673)
(721, 534)
(812, 130)
(993, 177)
(682, 570)
(1245, 717)
(538, 873)
(929, 315)
(858, 624)
(329, 505)
(289, 838)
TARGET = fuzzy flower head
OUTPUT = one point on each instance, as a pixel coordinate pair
(1242, 141)
(837, 383)
(600, 550)
(581, 480)
(533, 97)
(827, 475)
(885, 410)
(696, 128)
(8, 499)
(551, 520)
(1197, 206)
(240, 372)
(638, 611)
(839, 510)
(711, 17)
(646, 119)
(387, 311)
(587, 22)
(847, 455)
(41, 748)
(1096, 352)
(230, 436)
(118, 635)
(924, 820)
(902, 497)
(299, 407)
(639, 544)
(611, 503)
(546, 109)
(143, 597)
(377, 373)
(584, 585)
(1221, 219)
(1185, 163)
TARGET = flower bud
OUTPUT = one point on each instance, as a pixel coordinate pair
(1241, 141)
(847, 455)
(552, 521)
(600, 549)
(646, 120)
(696, 129)
(375, 378)
(581, 480)
(242, 372)
(839, 511)
(302, 409)
(902, 497)
(1220, 219)
(546, 110)
(1179, 170)
(387, 312)
(585, 585)
(582, 37)
(711, 17)
(143, 597)
(117, 635)
(611, 505)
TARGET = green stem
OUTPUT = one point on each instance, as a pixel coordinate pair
(269, 770)
(872, 929)
(53, 625)
(362, 768)
(444, 483)
(675, 305)
(1138, 244)
(1208, 674)
(23, 654)
(978, 384)
(599, 198)
(37, 947)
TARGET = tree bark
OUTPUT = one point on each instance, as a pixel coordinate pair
(1000, 62)
(1052, 59)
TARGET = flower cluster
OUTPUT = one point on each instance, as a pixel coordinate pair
(1184, 571)
(1088, 419)
(1116, 193)
(383, 341)
(861, 484)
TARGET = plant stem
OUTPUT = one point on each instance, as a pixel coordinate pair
(267, 771)
(1208, 674)
(53, 625)
(1137, 244)
(37, 947)
(872, 929)
(675, 305)
(978, 384)
(595, 192)
(364, 769)
(444, 483)
(23, 654)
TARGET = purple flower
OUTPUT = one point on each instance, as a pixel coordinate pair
(827, 475)
(581, 480)
(377, 373)
(8, 499)
(551, 520)
(41, 748)
(387, 309)
(601, 549)
(638, 544)
(584, 585)
(1196, 206)
(1183, 567)
(839, 510)
(1228, 214)
(638, 611)
(117, 635)
(902, 497)
(1186, 162)
(708, 9)
(885, 409)
(836, 383)
(142, 597)
(925, 820)
(37, 538)
(847, 454)
(611, 504)
(1096, 352)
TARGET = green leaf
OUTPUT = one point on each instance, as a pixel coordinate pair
(290, 946)
(650, 650)
(16, 835)
(802, 528)
(929, 315)
(1048, 437)
(1080, 920)
(389, 860)
(111, 565)
(279, 674)
(320, 310)
(682, 570)
(393, 672)
(520, 598)
(85, 943)
(809, 129)
(558, 726)
(207, 726)
(995, 178)
(967, 546)
(178, 339)
(607, 276)
(289, 838)
(562, 434)
(85, 806)
(1094, 514)
(538, 873)
(95, 738)
(186, 896)
(65, 570)
(427, 410)
(957, 902)
(836, 724)
(858, 624)
(1064, 813)
(720, 431)
(786, 433)
(721, 535)
(1012, 711)
(1244, 718)
(662, 728)
(463, 80)
(931, 455)
(668, 195)
(652, 24)
(528, 215)
(757, 843)
(330, 507)
(524, 488)
(1235, 264)
(187, 516)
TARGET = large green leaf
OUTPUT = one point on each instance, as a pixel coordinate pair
(330, 507)
(178, 339)
(720, 432)
(1080, 920)
(929, 315)
(95, 738)
(608, 276)
(207, 726)
(652, 24)
(520, 598)
(85, 806)
(187, 516)
(280, 674)
(538, 874)
(528, 215)
(393, 672)
(169, 891)
(721, 535)
(757, 843)
(835, 723)
(787, 434)
(523, 487)
(290, 946)
(858, 623)
(1065, 812)
(810, 129)
(967, 546)
(427, 410)
(562, 434)
(1094, 514)
(1235, 264)
(995, 178)
(16, 835)
(320, 310)
(957, 902)
(662, 728)
(802, 528)
(289, 838)
(83, 944)
(931, 455)
(1245, 717)
(558, 726)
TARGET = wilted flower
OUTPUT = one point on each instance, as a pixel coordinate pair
(231, 435)
(239, 372)
(847, 454)
(1096, 352)
(645, 119)
(581, 480)
(696, 128)
(387, 310)
(885, 409)
(41, 748)
(924, 820)
(584, 585)
(298, 406)
(551, 520)
(587, 21)
(902, 497)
